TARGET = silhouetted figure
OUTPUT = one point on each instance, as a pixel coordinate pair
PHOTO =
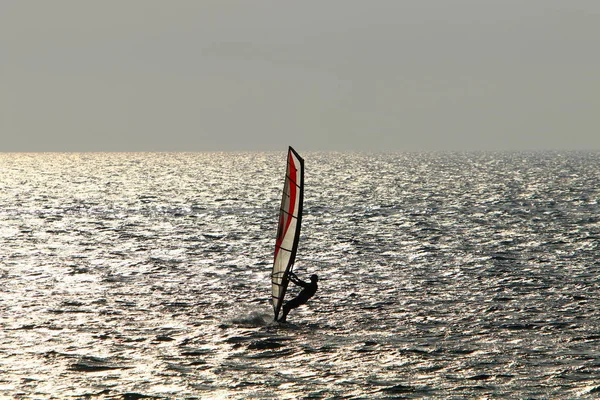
(308, 291)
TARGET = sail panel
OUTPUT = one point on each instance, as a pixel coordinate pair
(288, 231)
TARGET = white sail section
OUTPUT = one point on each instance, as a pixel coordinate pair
(288, 232)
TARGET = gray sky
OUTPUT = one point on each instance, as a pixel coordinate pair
(373, 75)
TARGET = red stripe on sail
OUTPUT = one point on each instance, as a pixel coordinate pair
(287, 219)
(293, 190)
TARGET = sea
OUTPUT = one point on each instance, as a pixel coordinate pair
(442, 275)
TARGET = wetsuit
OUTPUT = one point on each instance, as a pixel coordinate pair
(308, 291)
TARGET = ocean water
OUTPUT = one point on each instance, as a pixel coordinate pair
(443, 275)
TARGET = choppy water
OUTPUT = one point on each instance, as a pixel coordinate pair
(443, 276)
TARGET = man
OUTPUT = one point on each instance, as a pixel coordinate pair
(307, 292)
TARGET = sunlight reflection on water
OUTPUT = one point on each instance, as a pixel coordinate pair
(443, 275)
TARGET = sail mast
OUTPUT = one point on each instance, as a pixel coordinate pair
(288, 231)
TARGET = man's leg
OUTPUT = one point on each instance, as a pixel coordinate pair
(286, 310)
(287, 307)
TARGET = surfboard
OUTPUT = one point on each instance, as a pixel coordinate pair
(288, 228)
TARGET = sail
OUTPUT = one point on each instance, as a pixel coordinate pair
(288, 231)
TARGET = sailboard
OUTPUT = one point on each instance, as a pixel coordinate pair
(288, 230)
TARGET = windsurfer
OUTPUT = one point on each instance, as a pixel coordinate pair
(308, 291)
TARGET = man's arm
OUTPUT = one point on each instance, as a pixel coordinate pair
(296, 280)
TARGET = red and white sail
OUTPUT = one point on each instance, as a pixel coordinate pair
(288, 231)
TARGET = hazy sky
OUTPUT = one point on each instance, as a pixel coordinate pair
(374, 75)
